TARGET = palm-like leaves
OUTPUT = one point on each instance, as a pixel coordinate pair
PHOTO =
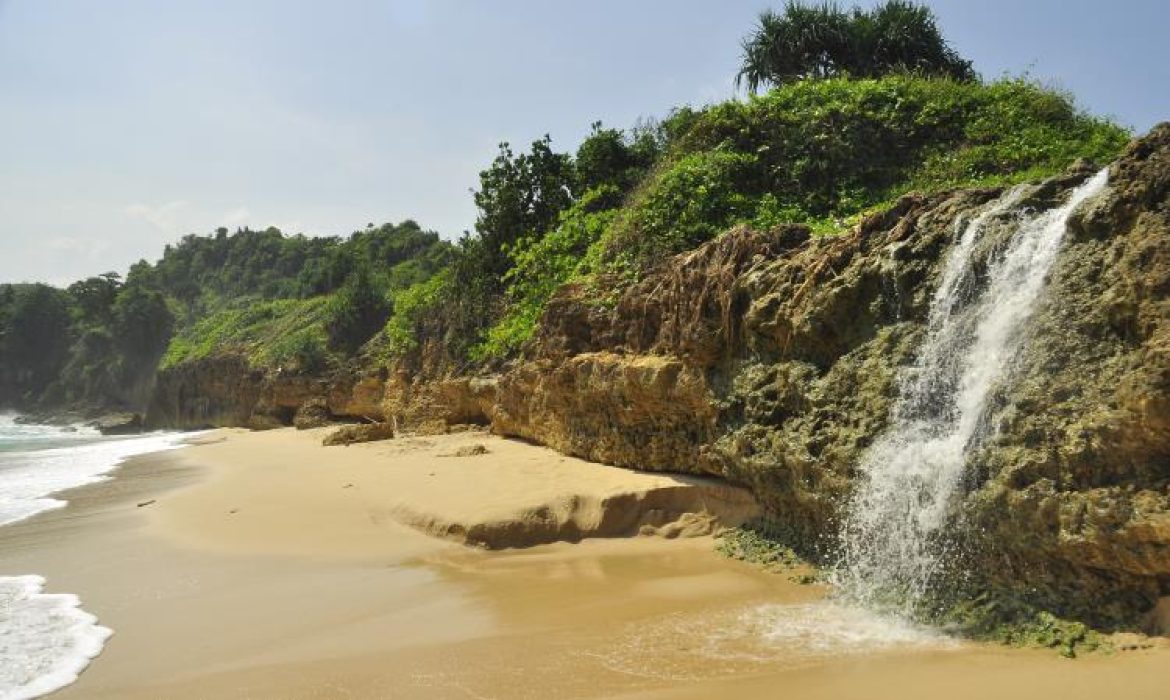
(823, 40)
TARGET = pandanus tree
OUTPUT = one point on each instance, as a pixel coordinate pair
(824, 41)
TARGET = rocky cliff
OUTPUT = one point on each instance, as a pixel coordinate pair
(224, 391)
(771, 357)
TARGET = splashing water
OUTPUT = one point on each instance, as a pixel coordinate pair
(893, 543)
(741, 641)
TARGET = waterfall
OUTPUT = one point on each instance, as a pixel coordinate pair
(894, 535)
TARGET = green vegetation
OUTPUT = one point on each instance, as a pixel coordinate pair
(356, 312)
(293, 302)
(821, 152)
(541, 265)
(1014, 623)
(203, 273)
(755, 543)
(34, 330)
(484, 309)
(824, 151)
(824, 41)
(410, 308)
(93, 341)
(284, 333)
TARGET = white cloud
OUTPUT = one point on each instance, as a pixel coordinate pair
(236, 218)
(88, 247)
(166, 218)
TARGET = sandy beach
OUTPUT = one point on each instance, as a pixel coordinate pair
(262, 565)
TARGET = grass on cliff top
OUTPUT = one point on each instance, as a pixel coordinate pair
(287, 333)
(817, 152)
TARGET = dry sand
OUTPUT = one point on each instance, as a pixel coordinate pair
(296, 497)
(269, 567)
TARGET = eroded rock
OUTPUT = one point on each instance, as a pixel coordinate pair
(361, 432)
(313, 413)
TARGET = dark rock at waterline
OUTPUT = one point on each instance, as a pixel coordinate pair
(119, 424)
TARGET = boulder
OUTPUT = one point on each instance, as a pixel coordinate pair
(119, 424)
(313, 413)
(363, 432)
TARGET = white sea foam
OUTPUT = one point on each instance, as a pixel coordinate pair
(827, 628)
(45, 638)
(37, 462)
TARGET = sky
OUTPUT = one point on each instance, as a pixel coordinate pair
(126, 124)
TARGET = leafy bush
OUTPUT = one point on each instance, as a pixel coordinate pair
(355, 313)
(696, 197)
(411, 308)
(541, 265)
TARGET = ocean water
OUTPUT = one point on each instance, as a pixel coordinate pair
(46, 638)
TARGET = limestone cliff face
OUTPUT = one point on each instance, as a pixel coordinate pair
(771, 358)
(1074, 492)
(224, 391)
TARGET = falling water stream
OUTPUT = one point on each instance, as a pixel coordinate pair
(893, 542)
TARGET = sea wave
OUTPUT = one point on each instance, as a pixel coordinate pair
(30, 473)
(46, 639)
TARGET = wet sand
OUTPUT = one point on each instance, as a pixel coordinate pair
(312, 589)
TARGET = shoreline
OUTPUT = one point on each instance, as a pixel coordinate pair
(304, 592)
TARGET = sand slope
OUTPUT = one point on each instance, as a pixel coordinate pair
(282, 491)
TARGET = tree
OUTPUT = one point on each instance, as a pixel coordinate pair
(94, 297)
(609, 157)
(823, 41)
(356, 312)
(37, 337)
(142, 327)
(518, 196)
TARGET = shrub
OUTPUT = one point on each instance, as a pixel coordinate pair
(541, 265)
(412, 306)
(355, 313)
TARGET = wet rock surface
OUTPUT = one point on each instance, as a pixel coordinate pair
(119, 424)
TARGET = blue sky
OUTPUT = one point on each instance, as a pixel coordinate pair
(128, 123)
